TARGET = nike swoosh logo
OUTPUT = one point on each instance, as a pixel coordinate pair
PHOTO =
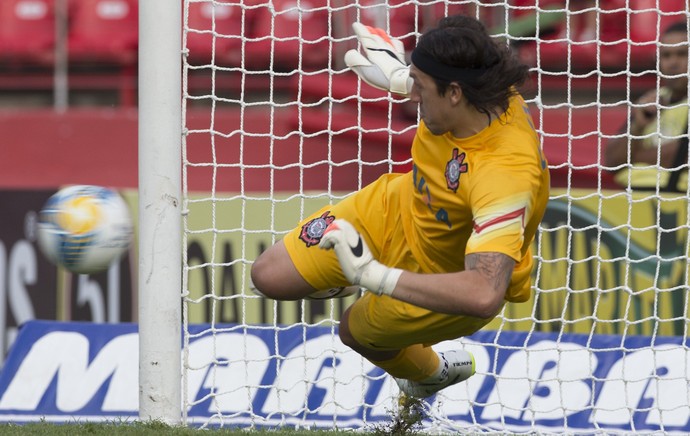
(388, 52)
(357, 249)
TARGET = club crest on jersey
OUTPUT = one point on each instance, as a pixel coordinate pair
(454, 168)
(313, 230)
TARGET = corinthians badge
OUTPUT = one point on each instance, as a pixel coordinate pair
(454, 168)
(313, 230)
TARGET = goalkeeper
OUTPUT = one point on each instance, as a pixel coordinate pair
(439, 249)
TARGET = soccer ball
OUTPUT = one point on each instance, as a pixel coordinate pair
(84, 228)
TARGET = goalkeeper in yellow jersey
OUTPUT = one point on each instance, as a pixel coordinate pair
(439, 249)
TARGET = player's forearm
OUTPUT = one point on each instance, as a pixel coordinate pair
(466, 293)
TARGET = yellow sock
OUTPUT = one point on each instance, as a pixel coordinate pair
(415, 363)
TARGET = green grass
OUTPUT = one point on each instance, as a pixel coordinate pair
(406, 420)
(139, 428)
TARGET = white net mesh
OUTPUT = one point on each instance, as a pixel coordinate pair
(276, 126)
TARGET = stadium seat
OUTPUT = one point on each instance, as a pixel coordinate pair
(103, 31)
(27, 31)
(646, 27)
(215, 31)
(570, 45)
(628, 33)
(291, 37)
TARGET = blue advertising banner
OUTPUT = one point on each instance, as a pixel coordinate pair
(303, 375)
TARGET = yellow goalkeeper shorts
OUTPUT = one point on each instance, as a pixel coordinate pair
(378, 322)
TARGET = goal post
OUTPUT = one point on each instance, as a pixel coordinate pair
(160, 211)
(269, 126)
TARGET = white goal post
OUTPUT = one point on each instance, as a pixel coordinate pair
(160, 208)
(249, 121)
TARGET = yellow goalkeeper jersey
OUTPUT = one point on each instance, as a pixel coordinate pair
(485, 193)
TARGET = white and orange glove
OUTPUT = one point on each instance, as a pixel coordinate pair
(356, 260)
(384, 65)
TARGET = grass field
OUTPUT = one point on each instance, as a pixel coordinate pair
(133, 429)
(406, 421)
(97, 429)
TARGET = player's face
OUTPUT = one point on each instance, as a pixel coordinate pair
(674, 60)
(434, 109)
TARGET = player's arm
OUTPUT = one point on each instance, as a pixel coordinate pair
(478, 291)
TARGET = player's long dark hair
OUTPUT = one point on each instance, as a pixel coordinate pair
(463, 42)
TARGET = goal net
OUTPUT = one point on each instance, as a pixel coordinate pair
(275, 126)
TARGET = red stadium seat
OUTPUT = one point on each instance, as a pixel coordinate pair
(291, 37)
(27, 31)
(215, 31)
(578, 48)
(628, 35)
(103, 31)
(647, 25)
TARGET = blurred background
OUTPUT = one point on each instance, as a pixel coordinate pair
(68, 60)
(71, 53)
(270, 108)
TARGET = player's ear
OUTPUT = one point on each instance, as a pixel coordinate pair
(454, 92)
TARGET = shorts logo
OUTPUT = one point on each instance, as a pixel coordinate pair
(454, 168)
(313, 230)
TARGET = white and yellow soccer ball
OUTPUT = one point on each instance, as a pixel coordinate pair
(84, 228)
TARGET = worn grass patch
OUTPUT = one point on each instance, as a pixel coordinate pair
(406, 420)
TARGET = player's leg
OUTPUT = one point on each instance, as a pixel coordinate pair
(296, 267)
(454, 367)
(396, 337)
(275, 276)
(431, 371)
(365, 350)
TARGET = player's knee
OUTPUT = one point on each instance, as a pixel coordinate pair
(352, 325)
(344, 332)
(272, 277)
(347, 337)
(261, 279)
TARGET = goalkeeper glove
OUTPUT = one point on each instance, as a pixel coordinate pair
(384, 66)
(356, 260)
